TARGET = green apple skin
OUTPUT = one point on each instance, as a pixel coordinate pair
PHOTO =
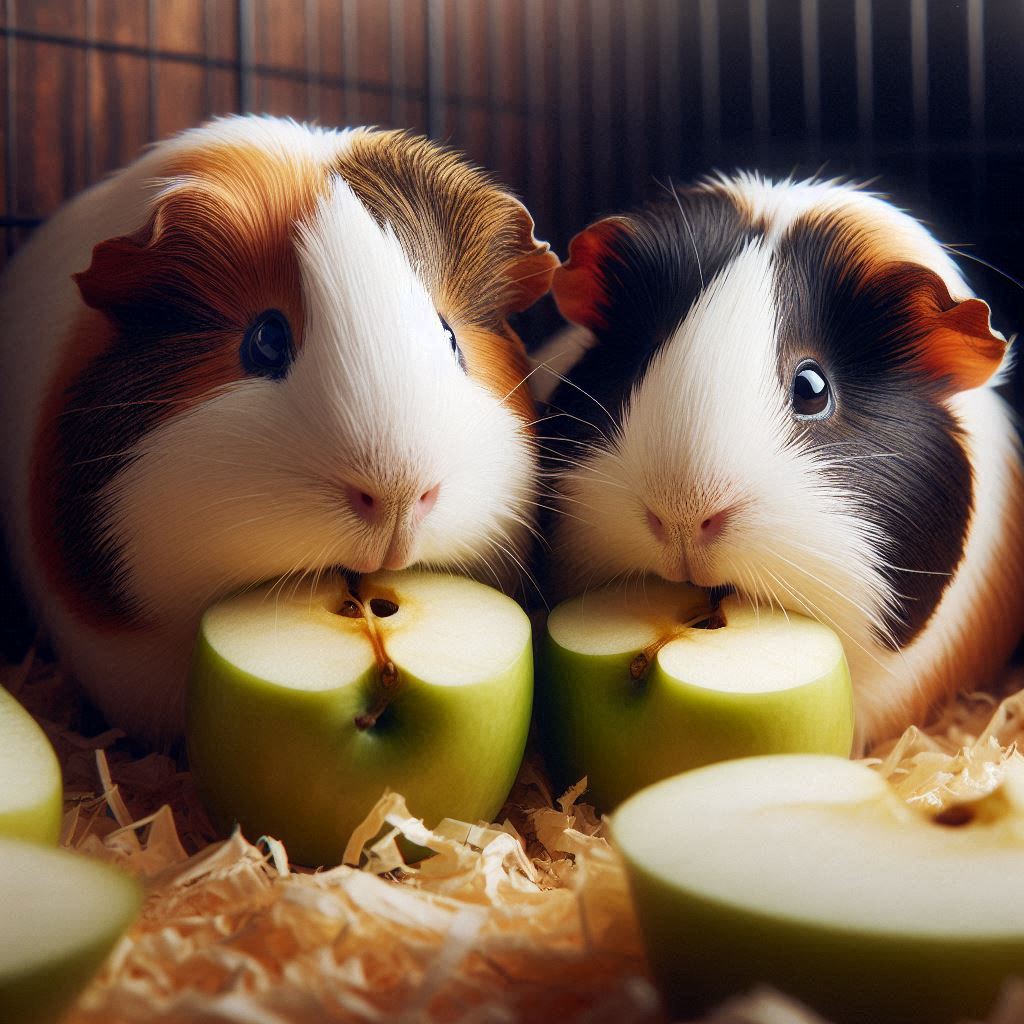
(292, 764)
(31, 788)
(623, 736)
(704, 949)
(63, 913)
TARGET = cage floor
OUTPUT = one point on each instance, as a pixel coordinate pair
(528, 919)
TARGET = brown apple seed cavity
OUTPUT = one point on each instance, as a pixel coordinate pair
(716, 620)
(638, 666)
(955, 816)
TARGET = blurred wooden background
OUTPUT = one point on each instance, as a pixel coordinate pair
(581, 106)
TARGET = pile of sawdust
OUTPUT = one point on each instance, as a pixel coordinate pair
(525, 920)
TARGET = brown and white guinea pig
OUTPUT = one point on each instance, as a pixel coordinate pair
(262, 350)
(789, 392)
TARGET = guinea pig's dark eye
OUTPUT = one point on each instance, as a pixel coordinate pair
(267, 345)
(812, 396)
(453, 341)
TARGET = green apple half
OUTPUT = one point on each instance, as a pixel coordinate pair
(304, 706)
(810, 874)
(62, 912)
(638, 683)
(31, 791)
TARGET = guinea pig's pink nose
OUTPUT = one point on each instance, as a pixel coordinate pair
(365, 505)
(425, 502)
(711, 527)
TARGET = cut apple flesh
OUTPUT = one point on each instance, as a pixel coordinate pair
(638, 684)
(305, 707)
(809, 874)
(31, 794)
(750, 651)
(62, 913)
(445, 630)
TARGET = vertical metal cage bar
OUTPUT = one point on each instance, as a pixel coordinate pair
(568, 209)
(601, 175)
(245, 50)
(669, 100)
(760, 98)
(710, 88)
(396, 62)
(636, 105)
(533, 94)
(89, 143)
(865, 61)
(435, 51)
(976, 69)
(810, 46)
(350, 55)
(919, 88)
(919, 68)
(151, 69)
(495, 76)
(11, 149)
(209, 43)
(311, 54)
(976, 104)
(463, 74)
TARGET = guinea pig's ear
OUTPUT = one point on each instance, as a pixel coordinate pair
(580, 285)
(120, 272)
(952, 341)
(529, 272)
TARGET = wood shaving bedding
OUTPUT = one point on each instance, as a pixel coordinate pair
(525, 920)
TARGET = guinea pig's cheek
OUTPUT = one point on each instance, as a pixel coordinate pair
(499, 363)
(486, 497)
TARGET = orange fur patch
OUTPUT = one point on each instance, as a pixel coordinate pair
(170, 305)
(220, 238)
(952, 341)
(579, 285)
(499, 362)
(471, 242)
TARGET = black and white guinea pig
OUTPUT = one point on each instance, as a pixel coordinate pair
(789, 391)
(263, 349)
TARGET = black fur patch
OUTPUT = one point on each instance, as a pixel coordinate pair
(662, 260)
(921, 495)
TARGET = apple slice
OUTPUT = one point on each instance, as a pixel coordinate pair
(31, 791)
(809, 874)
(62, 913)
(304, 706)
(639, 683)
